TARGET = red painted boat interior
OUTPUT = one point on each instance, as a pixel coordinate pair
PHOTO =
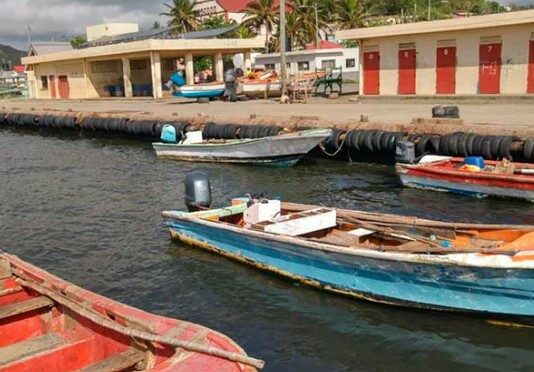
(451, 170)
(39, 334)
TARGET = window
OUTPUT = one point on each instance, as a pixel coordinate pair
(328, 64)
(304, 66)
(44, 82)
(350, 62)
(269, 66)
(139, 64)
(104, 67)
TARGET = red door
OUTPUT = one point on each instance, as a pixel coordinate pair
(489, 71)
(407, 67)
(52, 85)
(371, 73)
(446, 70)
(63, 86)
(530, 85)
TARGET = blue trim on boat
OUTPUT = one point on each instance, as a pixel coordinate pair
(200, 94)
(503, 292)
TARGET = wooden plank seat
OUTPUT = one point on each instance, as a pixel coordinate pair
(117, 362)
(25, 306)
(25, 349)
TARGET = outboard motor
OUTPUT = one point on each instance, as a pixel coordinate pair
(168, 134)
(405, 152)
(197, 191)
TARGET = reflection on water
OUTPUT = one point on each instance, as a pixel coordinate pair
(88, 210)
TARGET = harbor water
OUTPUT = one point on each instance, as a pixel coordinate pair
(88, 210)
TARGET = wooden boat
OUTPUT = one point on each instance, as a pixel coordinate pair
(449, 174)
(49, 324)
(210, 90)
(407, 261)
(260, 88)
(281, 150)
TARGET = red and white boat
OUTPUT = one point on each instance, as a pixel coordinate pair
(49, 324)
(451, 174)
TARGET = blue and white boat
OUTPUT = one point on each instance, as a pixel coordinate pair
(400, 260)
(210, 90)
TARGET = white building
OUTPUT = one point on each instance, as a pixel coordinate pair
(329, 55)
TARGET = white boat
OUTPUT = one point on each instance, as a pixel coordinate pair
(280, 150)
(199, 90)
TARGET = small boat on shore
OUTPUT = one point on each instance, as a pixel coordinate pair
(280, 150)
(493, 178)
(208, 90)
(49, 324)
(399, 260)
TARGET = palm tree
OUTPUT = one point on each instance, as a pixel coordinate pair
(294, 30)
(261, 13)
(350, 14)
(305, 12)
(183, 15)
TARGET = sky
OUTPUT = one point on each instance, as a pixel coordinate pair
(62, 19)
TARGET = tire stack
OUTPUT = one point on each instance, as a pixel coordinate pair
(471, 144)
(424, 143)
(373, 141)
(333, 142)
(528, 150)
(3, 120)
(20, 120)
(234, 131)
(109, 125)
(56, 122)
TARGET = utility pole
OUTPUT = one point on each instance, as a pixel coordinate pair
(429, 10)
(29, 36)
(318, 36)
(283, 66)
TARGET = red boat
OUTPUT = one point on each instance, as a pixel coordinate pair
(515, 180)
(48, 324)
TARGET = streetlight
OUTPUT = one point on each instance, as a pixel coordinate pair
(317, 35)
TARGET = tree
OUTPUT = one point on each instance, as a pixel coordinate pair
(261, 13)
(156, 25)
(215, 22)
(350, 14)
(182, 15)
(77, 41)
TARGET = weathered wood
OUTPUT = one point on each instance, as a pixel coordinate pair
(25, 349)
(141, 335)
(391, 219)
(8, 291)
(117, 362)
(25, 306)
(5, 269)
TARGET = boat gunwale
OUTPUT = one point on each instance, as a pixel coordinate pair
(436, 168)
(310, 133)
(131, 317)
(451, 259)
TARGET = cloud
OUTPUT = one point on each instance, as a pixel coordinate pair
(62, 19)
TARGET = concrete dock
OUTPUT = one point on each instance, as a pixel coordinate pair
(484, 116)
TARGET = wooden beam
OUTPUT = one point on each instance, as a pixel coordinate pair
(117, 362)
(25, 307)
(25, 349)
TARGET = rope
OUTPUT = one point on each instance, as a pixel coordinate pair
(323, 149)
(109, 324)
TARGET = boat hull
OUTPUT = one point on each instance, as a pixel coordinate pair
(464, 183)
(497, 292)
(284, 150)
(199, 91)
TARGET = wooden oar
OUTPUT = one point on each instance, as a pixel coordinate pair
(409, 221)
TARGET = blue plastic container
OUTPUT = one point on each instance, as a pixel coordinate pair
(178, 78)
(477, 161)
(168, 134)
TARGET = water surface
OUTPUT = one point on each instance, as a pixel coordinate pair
(88, 209)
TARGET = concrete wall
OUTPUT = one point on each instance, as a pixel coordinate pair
(98, 81)
(514, 56)
(315, 60)
(74, 70)
(109, 29)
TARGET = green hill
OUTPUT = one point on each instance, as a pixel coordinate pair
(8, 53)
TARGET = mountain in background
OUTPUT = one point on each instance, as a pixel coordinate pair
(8, 53)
